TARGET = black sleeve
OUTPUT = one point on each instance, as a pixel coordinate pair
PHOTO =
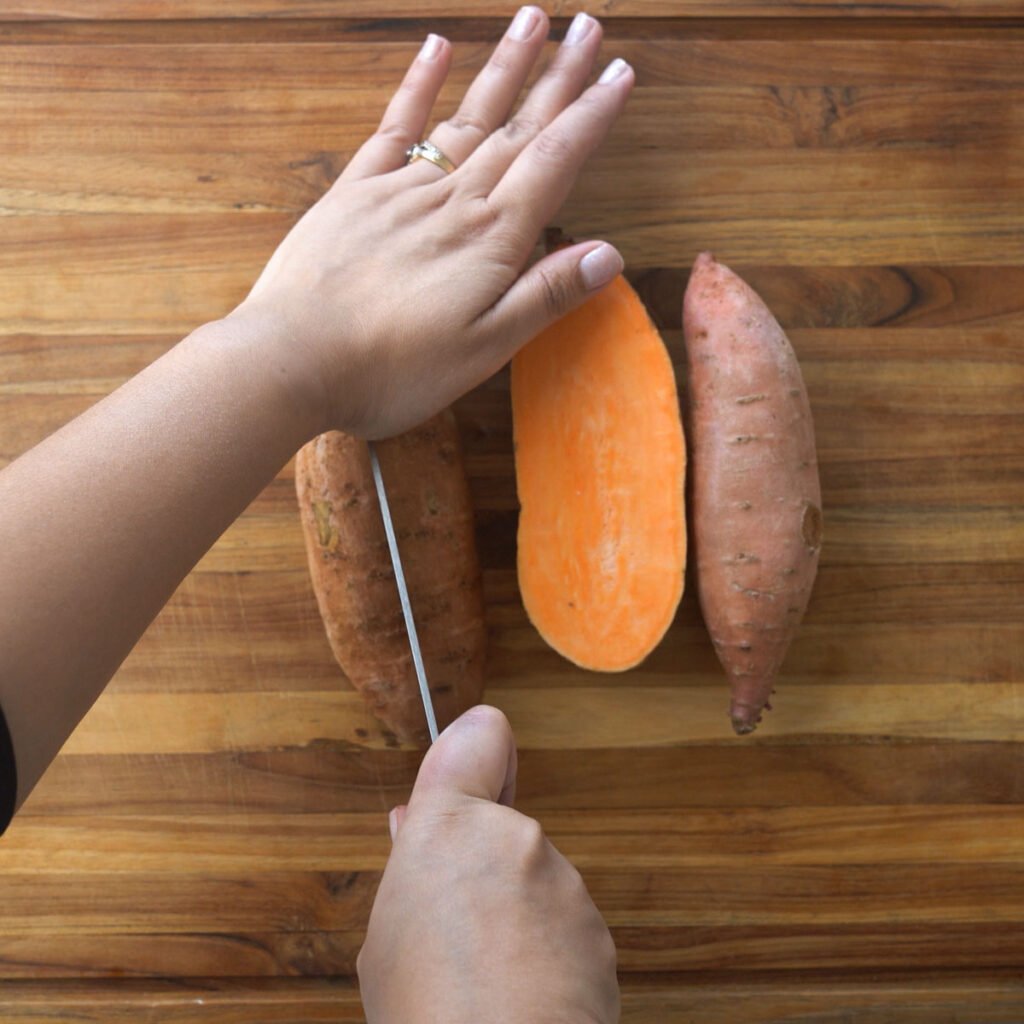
(8, 776)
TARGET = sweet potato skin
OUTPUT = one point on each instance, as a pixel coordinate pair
(756, 495)
(354, 582)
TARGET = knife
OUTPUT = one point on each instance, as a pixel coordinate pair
(403, 592)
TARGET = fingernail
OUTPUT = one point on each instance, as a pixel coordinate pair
(614, 70)
(523, 23)
(600, 265)
(431, 47)
(579, 29)
(393, 823)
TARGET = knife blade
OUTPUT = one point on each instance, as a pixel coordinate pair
(403, 592)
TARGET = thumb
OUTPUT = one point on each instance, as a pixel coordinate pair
(553, 286)
(475, 756)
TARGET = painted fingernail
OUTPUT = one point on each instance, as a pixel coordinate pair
(600, 265)
(616, 69)
(431, 47)
(393, 823)
(579, 29)
(524, 23)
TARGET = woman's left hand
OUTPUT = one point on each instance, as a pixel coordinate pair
(405, 286)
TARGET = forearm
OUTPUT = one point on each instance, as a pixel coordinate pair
(101, 521)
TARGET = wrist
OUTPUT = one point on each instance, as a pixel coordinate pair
(267, 343)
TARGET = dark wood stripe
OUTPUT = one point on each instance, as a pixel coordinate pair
(327, 777)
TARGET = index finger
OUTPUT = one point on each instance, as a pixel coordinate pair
(475, 756)
(542, 175)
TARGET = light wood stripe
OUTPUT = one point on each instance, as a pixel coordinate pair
(579, 718)
(740, 838)
(926, 998)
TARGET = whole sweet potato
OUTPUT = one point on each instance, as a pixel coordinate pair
(756, 497)
(354, 582)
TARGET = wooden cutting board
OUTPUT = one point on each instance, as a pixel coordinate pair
(220, 817)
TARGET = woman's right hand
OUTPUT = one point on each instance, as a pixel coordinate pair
(478, 917)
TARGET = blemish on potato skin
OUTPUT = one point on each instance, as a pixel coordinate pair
(811, 526)
(748, 399)
(752, 592)
(325, 532)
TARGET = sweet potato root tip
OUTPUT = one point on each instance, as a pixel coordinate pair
(745, 718)
(747, 715)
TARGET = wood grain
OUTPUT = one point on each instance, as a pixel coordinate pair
(219, 820)
(331, 777)
(822, 884)
(140, 9)
(582, 718)
(689, 838)
(913, 24)
(991, 997)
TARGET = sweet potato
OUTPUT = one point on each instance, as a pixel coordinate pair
(355, 584)
(756, 497)
(600, 461)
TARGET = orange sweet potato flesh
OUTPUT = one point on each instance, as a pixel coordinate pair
(600, 463)
(354, 582)
(756, 496)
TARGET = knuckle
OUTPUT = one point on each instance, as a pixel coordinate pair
(394, 130)
(532, 841)
(463, 121)
(594, 100)
(579, 892)
(522, 128)
(448, 820)
(556, 292)
(441, 826)
(576, 882)
(438, 820)
(507, 244)
(553, 147)
(483, 218)
(411, 87)
(436, 197)
(607, 950)
(502, 61)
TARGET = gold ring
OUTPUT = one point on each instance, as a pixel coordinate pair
(426, 150)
